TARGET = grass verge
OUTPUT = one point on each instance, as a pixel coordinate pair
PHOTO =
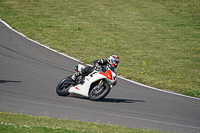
(21, 123)
(158, 41)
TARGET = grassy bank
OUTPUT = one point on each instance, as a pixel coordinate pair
(158, 41)
(20, 123)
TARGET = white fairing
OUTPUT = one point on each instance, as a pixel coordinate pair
(83, 89)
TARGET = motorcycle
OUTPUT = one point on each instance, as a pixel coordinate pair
(95, 85)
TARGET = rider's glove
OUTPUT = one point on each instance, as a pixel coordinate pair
(97, 67)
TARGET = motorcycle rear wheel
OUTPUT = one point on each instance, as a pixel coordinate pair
(62, 88)
(96, 93)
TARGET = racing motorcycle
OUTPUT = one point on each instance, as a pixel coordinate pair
(95, 86)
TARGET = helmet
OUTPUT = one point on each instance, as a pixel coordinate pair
(113, 60)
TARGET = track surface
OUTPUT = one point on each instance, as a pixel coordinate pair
(29, 74)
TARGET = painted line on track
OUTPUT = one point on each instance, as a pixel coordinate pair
(146, 86)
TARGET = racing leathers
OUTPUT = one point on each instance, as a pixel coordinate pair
(88, 69)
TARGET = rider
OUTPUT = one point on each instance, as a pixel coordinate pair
(112, 61)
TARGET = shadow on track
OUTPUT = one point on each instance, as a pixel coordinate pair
(9, 81)
(110, 100)
(115, 100)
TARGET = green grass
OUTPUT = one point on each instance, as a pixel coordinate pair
(158, 41)
(33, 124)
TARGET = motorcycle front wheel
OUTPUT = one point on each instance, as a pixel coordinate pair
(97, 93)
(62, 88)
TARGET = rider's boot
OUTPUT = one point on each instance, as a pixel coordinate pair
(75, 76)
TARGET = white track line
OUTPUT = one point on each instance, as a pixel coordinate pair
(82, 62)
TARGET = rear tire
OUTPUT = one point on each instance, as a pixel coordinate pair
(96, 93)
(62, 88)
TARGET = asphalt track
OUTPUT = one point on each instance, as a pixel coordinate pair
(29, 74)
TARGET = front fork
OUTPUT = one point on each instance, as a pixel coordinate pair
(100, 84)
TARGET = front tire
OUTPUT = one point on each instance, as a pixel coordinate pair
(96, 93)
(62, 88)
